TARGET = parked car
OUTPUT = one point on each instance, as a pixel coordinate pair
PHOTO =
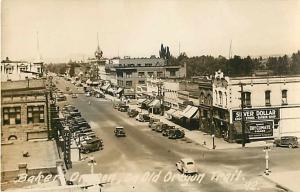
(120, 132)
(161, 127)
(166, 131)
(95, 144)
(142, 117)
(133, 113)
(152, 120)
(287, 141)
(99, 95)
(186, 166)
(154, 125)
(88, 94)
(67, 88)
(74, 95)
(123, 108)
(116, 105)
(176, 134)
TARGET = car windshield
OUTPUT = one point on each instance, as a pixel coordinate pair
(190, 163)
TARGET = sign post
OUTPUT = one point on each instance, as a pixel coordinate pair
(267, 149)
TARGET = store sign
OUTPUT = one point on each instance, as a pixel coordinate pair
(67, 148)
(255, 114)
(260, 129)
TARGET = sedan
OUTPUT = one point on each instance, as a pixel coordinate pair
(186, 166)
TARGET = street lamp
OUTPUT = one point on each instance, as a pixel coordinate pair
(213, 140)
(91, 163)
(267, 149)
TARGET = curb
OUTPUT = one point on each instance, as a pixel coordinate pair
(276, 183)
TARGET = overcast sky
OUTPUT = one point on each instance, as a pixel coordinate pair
(68, 28)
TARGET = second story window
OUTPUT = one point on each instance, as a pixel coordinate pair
(268, 98)
(220, 98)
(128, 83)
(284, 97)
(246, 96)
(141, 74)
(128, 75)
(35, 114)
(11, 115)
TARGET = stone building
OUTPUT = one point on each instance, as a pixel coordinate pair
(24, 109)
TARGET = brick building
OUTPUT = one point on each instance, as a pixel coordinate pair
(24, 110)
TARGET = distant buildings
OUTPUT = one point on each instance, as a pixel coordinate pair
(20, 70)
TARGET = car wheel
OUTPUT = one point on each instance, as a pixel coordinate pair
(290, 146)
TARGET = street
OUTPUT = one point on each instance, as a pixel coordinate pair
(143, 150)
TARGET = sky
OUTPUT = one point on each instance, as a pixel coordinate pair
(67, 29)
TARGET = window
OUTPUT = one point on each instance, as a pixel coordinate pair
(220, 98)
(148, 64)
(173, 73)
(128, 75)
(150, 74)
(209, 100)
(284, 97)
(35, 114)
(129, 83)
(246, 96)
(141, 74)
(202, 98)
(141, 82)
(216, 93)
(11, 115)
(159, 74)
(268, 98)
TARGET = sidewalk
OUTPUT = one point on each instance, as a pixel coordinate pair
(286, 180)
(205, 139)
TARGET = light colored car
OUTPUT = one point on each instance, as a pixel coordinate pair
(186, 166)
(88, 94)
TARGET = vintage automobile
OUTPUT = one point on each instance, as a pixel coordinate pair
(74, 95)
(186, 166)
(123, 108)
(120, 132)
(154, 125)
(152, 120)
(94, 144)
(167, 130)
(133, 113)
(287, 141)
(176, 134)
(161, 127)
(67, 88)
(143, 117)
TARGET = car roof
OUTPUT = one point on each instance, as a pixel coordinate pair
(119, 127)
(187, 160)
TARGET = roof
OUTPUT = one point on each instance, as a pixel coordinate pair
(42, 154)
(23, 84)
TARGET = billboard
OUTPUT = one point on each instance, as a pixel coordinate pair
(255, 114)
(260, 129)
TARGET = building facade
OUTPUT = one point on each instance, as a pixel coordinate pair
(20, 70)
(24, 106)
(271, 106)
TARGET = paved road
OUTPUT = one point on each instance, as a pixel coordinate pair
(144, 151)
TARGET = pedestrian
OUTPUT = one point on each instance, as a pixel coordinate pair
(89, 102)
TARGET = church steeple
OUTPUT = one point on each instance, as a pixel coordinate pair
(98, 52)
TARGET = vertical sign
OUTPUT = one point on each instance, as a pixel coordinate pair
(67, 148)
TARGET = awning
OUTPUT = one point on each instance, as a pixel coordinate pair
(170, 112)
(110, 90)
(119, 90)
(105, 87)
(155, 103)
(186, 109)
(147, 102)
(177, 114)
(191, 112)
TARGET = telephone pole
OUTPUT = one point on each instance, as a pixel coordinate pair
(243, 119)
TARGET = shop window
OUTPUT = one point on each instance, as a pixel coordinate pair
(246, 96)
(35, 114)
(150, 74)
(268, 98)
(284, 97)
(11, 115)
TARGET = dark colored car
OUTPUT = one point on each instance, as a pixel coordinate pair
(287, 141)
(176, 134)
(166, 131)
(133, 113)
(94, 144)
(120, 132)
(161, 127)
(152, 120)
(123, 108)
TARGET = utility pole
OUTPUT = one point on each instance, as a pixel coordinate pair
(243, 119)
(161, 96)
